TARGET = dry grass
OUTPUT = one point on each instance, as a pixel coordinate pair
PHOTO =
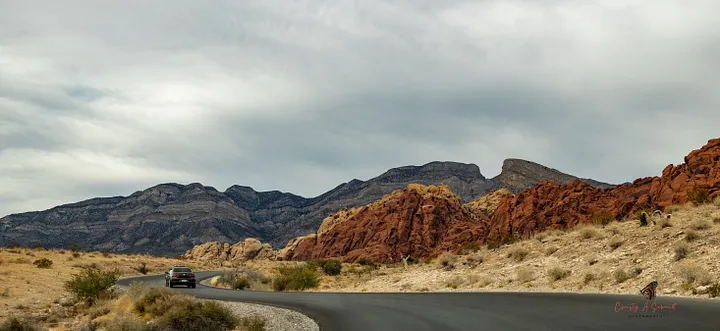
(518, 254)
(28, 286)
(525, 274)
(615, 243)
(691, 235)
(591, 232)
(700, 225)
(642, 254)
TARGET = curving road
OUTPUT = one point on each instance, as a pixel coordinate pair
(474, 311)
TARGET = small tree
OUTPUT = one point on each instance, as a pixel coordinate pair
(332, 267)
(92, 283)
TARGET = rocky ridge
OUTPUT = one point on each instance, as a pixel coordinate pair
(169, 219)
(423, 221)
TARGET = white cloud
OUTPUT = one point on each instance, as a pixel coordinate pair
(105, 99)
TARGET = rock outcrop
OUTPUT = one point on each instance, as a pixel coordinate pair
(248, 249)
(419, 221)
(426, 221)
(487, 203)
(551, 205)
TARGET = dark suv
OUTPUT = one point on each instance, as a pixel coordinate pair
(180, 276)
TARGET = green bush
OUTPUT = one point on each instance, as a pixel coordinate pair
(235, 281)
(240, 283)
(295, 279)
(43, 263)
(197, 316)
(253, 323)
(92, 283)
(332, 267)
(714, 290)
(15, 324)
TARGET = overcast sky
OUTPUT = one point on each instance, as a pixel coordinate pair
(103, 98)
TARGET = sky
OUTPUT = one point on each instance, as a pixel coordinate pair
(104, 98)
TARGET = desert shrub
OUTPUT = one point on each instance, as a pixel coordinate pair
(664, 223)
(76, 254)
(367, 262)
(716, 220)
(240, 283)
(295, 279)
(105, 252)
(332, 267)
(620, 276)
(144, 296)
(698, 196)
(551, 250)
(613, 230)
(92, 283)
(253, 323)
(602, 219)
(74, 247)
(473, 261)
(124, 323)
(615, 243)
(681, 251)
(694, 274)
(518, 254)
(470, 247)
(557, 273)
(43, 263)
(714, 290)
(541, 236)
(198, 316)
(590, 233)
(691, 235)
(15, 324)
(447, 260)
(643, 217)
(525, 274)
(142, 268)
(589, 277)
(700, 225)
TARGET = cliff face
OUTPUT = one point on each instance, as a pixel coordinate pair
(426, 221)
(169, 219)
(419, 221)
(551, 205)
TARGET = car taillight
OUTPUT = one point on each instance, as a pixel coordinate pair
(176, 275)
(192, 275)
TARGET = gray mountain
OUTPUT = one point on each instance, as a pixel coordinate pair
(168, 219)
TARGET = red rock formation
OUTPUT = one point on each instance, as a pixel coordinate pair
(551, 205)
(420, 221)
(424, 222)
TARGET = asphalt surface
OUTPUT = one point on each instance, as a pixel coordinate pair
(474, 311)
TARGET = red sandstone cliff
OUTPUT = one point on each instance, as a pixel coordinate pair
(419, 220)
(424, 221)
(551, 205)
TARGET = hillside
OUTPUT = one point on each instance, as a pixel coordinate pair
(169, 219)
(424, 221)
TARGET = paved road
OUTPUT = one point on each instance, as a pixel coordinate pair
(473, 311)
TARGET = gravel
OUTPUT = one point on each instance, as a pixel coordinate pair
(277, 319)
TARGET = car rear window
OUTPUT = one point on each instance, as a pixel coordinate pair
(182, 270)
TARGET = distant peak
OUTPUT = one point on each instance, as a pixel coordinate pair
(438, 168)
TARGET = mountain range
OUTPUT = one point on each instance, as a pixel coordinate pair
(170, 218)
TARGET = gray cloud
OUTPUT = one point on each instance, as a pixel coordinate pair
(105, 99)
